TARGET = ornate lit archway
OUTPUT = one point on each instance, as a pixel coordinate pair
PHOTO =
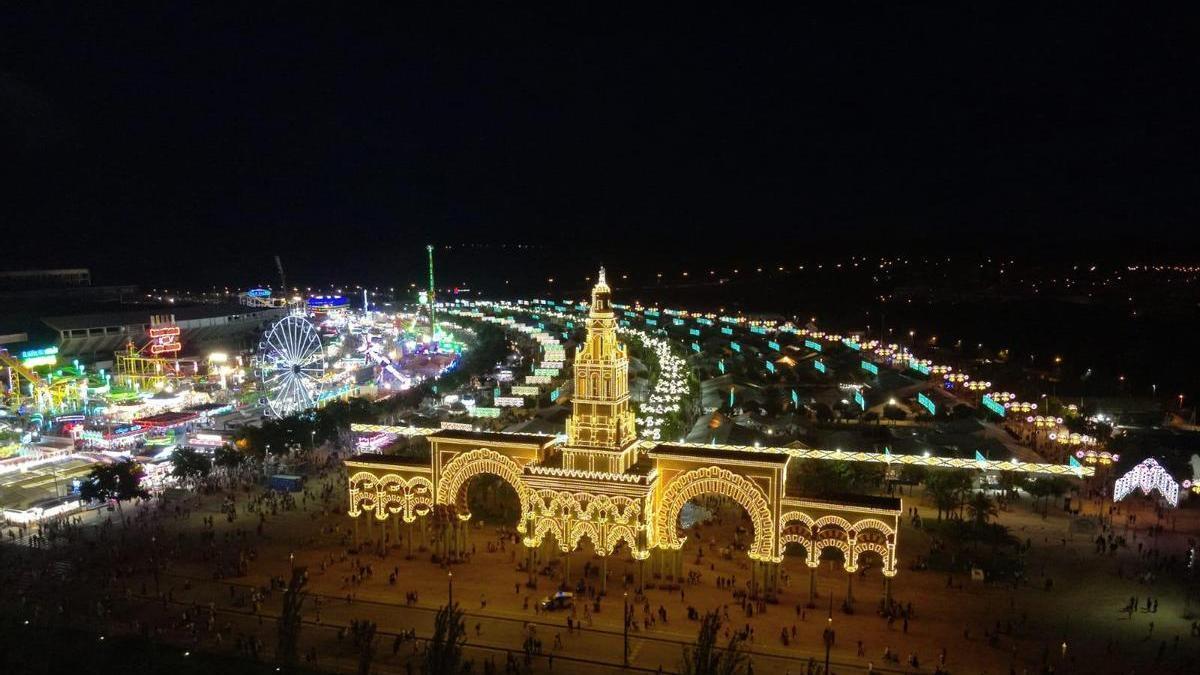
(467, 465)
(715, 480)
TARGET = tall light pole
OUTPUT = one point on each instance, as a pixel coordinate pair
(626, 631)
(827, 636)
(450, 589)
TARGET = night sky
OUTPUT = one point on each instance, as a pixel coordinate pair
(193, 144)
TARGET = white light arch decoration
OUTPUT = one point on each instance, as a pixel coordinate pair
(1147, 476)
(715, 480)
(364, 489)
(467, 465)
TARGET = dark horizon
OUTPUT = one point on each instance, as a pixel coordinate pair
(194, 143)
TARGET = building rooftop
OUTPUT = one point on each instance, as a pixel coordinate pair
(390, 460)
(868, 501)
(490, 437)
(141, 315)
(719, 453)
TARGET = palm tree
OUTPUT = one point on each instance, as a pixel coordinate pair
(982, 508)
(946, 488)
(443, 652)
(706, 658)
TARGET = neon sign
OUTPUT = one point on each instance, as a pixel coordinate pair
(164, 340)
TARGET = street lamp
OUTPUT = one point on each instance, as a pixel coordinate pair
(626, 631)
(827, 636)
(450, 589)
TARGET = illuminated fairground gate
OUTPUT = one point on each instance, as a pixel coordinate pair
(603, 485)
(436, 487)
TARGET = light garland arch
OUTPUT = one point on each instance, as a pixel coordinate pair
(467, 465)
(715, 480)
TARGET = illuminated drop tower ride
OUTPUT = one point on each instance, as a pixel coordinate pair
(430, 299)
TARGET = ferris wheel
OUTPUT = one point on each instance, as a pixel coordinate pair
(290, 364)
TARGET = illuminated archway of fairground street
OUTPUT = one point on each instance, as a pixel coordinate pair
(586, 480)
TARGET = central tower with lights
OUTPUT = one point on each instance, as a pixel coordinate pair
(600, 433)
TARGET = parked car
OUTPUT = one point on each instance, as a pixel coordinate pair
(561, 600)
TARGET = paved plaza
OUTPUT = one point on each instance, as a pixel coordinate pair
(981, 628)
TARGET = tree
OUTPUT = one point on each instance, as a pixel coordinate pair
(118, 481)
(946, 488)
(290, 618)
(706, 658)
(190, 465)
(443, 652)
(982, 508)
(227, 457)
(364, 639)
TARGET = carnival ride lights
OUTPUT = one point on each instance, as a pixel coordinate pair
(1044, 422)
(290, 365)
(156, 364)
(1147, 476)
(1102, 457)
(326, 303)
(1065, 437)
(668, 390)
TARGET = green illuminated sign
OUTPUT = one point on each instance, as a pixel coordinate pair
(870, 367)
(926, 403)
(815, 346)
(819, 366)
(993, 406)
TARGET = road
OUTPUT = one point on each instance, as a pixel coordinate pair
(588, 650)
